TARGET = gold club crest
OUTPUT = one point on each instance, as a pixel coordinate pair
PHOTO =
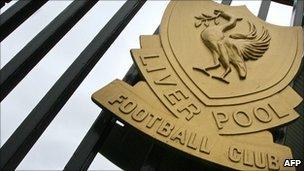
(216, 79)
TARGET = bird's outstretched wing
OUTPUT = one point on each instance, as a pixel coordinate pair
(251, 46)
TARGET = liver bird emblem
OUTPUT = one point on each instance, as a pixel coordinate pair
(232, 49)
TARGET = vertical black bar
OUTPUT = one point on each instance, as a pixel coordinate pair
(22, 140)
(91, 143)
(264, 8)
(297, 14)
(226, 2)
(22, 63)
(297, 20)
(93, 140)
(294, 134)
(16, 15)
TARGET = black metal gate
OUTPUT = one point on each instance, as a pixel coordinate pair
(104, 135)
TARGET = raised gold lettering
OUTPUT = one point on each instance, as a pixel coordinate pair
(234, 154)
(165, 128)
(164, 81)
(259, 159)
(279, 114)
(139, 115)
(153, 120)
(179, 135)
(155, 69)
(191, 109)
(127, 107)
(119, 100)
(204, 145)
(220, 118)
(273, 162)
(176, 96)
(144, 58)
(262, 114)
(191, 141)
(242, 121)
(248, 157)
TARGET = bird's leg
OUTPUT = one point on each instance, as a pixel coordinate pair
(224, 58)
(216, 64)
(222, 78)
(203, 70)
(215, 60)
(227, 71)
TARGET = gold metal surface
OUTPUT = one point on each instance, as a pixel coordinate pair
(215, 81)
(233, 48)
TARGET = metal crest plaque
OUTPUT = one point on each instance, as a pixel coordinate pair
(216, 79)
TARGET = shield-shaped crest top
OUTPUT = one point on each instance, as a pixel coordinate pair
(226, 55)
